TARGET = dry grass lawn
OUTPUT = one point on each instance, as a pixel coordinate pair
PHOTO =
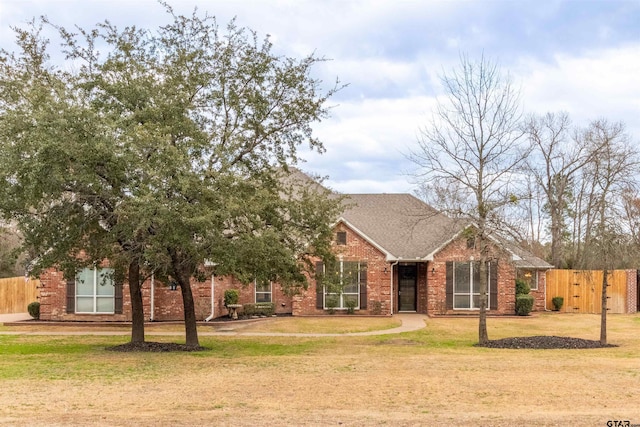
(430, 377)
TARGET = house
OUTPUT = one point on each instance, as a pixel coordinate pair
(394, 253)
(401, 255)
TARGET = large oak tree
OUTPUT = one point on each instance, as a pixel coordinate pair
(160, 148)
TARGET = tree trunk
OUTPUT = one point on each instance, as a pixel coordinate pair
(483, 336)
(603, 316)
(137, 311)
(556, 240)
(190, 326)
(182, 274)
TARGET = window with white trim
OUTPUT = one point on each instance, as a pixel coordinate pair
(95, 291)
(530, 277)
(263, 291)
(342, 286)
(466, 285)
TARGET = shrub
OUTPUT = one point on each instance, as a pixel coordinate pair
(351, 306)
(331, 303)
(259, 309)
(34, 310)
(524, 304)
(231, 297)
(522, 287)
(557, 303)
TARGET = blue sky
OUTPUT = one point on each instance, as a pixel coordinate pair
(582, 57)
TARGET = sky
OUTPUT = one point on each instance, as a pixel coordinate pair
(582, 57)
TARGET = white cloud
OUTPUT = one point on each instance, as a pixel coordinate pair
(599, 84)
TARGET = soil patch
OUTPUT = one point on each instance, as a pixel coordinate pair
(156, 347)
(545, 342)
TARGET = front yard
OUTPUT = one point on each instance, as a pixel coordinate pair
(433, 376)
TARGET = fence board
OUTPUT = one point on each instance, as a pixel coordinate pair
(16, 294)
(582, 290)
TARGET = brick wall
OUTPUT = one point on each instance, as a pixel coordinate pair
(167, 302)
(458, 251)
(632, 291)
(539, 294)
(378, 276)
(431, 288)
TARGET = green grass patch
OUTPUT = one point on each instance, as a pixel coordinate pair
(256, 346)
(322, 325)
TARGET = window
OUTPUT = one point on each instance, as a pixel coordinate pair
(95, 291)
(471, 243)
(529, 276)
(466, 285)
(263, 291)
(341, 237)
(342, 285)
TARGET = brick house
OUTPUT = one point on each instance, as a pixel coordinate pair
(394, 254)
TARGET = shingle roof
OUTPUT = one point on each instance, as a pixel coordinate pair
(400, 224)
(525, 259)
(404, 227)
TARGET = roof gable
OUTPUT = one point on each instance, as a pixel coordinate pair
(400, 224)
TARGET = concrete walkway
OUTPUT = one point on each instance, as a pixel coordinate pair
(14, 317)
(410, 322)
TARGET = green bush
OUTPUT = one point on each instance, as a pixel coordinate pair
(351, 306)
(331, 303)
(231, 297)
(522, 287)
(34, 310)
(557, 303)
(524, 304)
(259, 309)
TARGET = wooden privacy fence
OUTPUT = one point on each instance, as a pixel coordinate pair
(582, 290)
(16, 294)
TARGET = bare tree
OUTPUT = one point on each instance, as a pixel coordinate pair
(553, 165)
(611, 173)
(473, 143)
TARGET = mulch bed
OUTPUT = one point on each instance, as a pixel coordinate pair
(156, 347)
(545, 342)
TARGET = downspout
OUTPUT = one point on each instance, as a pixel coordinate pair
(153, 288)
(211, 316)
(391, 282)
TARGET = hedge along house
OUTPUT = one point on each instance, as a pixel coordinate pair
(397, 254)
(394, 254)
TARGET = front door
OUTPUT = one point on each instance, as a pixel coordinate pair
(407, 280)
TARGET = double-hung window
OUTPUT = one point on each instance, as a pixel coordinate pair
(466, 285)
(95, 291)
(263, 291)
(342, 286)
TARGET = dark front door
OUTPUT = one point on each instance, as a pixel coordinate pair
(407, 279)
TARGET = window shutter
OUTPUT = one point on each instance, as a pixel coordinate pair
(449, 285)
(363, 286)
(71, 295)
(319, 287)
(117, 309)
(493, 285)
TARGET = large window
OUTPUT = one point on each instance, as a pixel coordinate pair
(466, 285)
(263, 291)
(342, 285)
(95, 291)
